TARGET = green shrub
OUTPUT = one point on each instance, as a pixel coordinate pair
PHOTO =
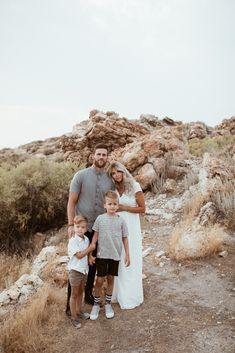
(33, 197)
(197, 147)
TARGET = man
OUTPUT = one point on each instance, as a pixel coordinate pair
(86, 197)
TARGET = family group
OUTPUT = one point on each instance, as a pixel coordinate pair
(105, 241)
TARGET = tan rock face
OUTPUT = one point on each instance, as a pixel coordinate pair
(147, 158)
(107, 128)
(226, 127)
(214, 174)
(197, 130)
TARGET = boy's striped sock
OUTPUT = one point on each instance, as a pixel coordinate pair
(108, 298)
(96, 300)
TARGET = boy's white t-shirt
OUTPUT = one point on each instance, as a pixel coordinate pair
(75, 245)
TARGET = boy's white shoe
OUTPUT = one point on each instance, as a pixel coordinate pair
(109, 313)
(95, 312)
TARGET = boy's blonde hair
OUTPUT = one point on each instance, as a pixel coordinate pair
(79, 219)
(111, 195)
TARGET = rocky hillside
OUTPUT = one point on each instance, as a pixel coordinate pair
(151, 148)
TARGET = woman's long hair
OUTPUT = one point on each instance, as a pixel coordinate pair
(128, 179)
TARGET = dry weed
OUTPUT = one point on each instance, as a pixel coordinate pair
(11, 268)
(54, 272)
(24, 331)
(225, 202)
(192, 207)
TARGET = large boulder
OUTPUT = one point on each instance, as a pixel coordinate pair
(147, 157)
(107, 128)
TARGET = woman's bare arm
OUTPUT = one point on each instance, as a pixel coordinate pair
(140, 208)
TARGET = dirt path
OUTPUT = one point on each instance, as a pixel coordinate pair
(187, 309)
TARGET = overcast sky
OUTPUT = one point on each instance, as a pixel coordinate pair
(59, 59)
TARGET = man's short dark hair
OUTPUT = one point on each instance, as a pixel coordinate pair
(101, 145)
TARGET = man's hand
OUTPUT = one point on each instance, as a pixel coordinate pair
(71, 232)
(127, 260)
(91, 260)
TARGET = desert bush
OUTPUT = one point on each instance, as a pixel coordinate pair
(48, 150)
(25, 330)
(197, 147)
(33, 197)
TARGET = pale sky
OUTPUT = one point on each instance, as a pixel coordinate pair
(59, 59)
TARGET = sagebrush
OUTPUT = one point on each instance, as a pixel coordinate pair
(33, 197)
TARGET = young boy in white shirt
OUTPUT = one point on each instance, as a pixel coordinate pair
(78, 249)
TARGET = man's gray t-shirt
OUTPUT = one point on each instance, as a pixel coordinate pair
(111, 229)
(91, 187)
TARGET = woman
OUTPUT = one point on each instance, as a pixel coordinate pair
(128, 288)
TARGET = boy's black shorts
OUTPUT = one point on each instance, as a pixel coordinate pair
(106, 267)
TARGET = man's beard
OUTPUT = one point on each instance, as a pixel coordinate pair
(100, 164)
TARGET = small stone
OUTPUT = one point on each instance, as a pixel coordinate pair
(223, 253)
(194, 273)
(161, 264)
(160, 253)
(144, 276)
(146, 251)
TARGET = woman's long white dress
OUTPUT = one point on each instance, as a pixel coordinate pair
(128, 287)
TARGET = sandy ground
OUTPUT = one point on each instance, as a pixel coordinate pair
(188, 308)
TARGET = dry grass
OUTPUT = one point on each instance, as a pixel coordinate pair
(11, 268)
(225, 202)
(54, 272)
(26, 331)
(157, 186)
(185, 243)
(192, 207)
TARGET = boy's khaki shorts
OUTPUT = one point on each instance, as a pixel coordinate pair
(76, 278)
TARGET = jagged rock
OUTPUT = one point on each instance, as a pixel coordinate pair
(151, 149)
(147, 251)
(160, 253)
(150, 121)
(170, 185)
(227, 127)
(197, 130)
(169, 121)
(208, 214)
(80, 129)
(146, 176)
(109, 129)
(41, 259)
(21, 289)
(214, 174)
(223, 253)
